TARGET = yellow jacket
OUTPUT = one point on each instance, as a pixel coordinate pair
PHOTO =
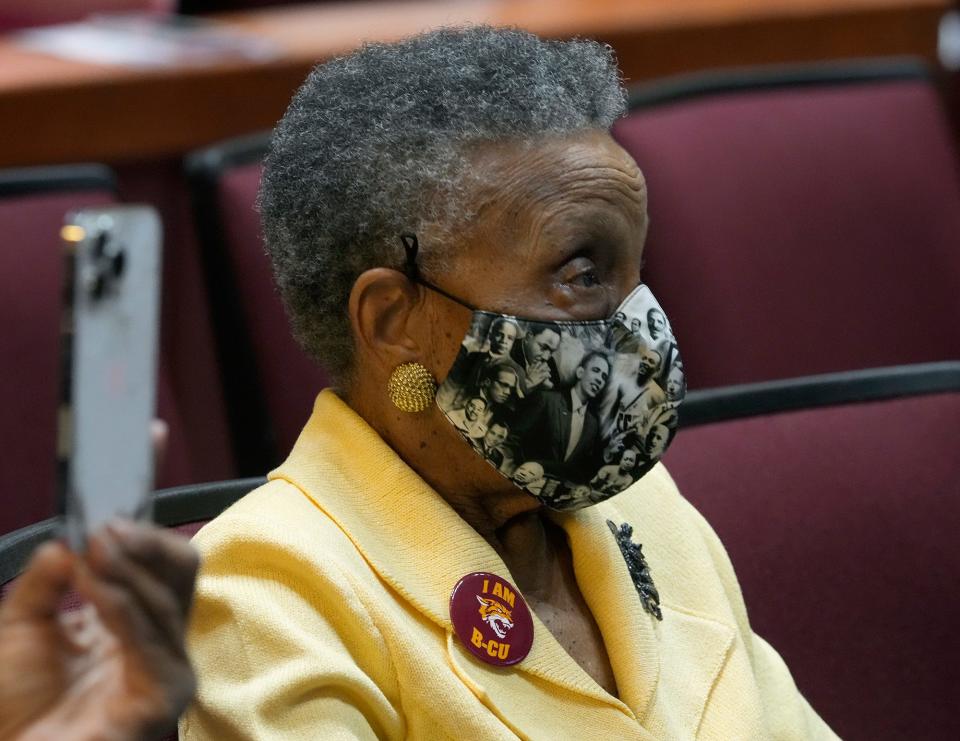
(322, 613)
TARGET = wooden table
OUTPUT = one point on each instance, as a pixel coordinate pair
(53, 110)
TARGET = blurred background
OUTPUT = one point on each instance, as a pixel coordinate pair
(802, 164)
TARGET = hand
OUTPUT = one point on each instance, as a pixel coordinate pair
(114, 670)
(538, 373)
(616, 446)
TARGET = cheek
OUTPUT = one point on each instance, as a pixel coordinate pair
(446, 335)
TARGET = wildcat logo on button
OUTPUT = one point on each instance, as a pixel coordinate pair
(491, 619)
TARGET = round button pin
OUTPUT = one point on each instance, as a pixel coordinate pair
(491, 619)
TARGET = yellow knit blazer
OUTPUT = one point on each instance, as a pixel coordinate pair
(322, 613)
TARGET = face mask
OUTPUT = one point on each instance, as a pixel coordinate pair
(571, 412)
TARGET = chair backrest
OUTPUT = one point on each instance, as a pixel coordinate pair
(803, 220)
(188, 508)
(183, 508)
(187, 347)
(269, 382)
(841, 522)
(33, 203)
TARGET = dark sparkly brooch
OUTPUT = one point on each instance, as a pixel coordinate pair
(637, 566)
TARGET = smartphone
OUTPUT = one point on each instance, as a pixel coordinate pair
(109, 358)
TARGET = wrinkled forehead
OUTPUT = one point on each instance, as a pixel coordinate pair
(535, 183)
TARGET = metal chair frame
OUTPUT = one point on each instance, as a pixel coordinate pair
(171, 507)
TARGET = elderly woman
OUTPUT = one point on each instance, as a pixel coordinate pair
(389, 581)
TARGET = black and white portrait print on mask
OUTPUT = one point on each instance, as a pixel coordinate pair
(571, 412)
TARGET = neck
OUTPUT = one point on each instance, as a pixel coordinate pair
(530, 546)
(580, 394)
(509, 519)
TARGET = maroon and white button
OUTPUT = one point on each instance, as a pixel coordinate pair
(491, 619)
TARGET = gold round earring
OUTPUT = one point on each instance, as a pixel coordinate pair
(411, 387)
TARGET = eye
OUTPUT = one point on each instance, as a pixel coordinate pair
(587, 279)
(580, 272)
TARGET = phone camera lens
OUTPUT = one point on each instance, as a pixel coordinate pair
(100, 244)
(118, 262)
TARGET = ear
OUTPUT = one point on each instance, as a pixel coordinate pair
(381, 305)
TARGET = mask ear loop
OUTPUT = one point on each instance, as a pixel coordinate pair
(411, 246)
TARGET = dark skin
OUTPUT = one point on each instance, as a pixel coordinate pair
(559, 235)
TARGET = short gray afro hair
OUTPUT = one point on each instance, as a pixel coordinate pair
(375, 144)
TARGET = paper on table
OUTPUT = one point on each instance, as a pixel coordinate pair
(144, 40)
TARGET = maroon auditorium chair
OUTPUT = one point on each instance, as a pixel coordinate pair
(33, 203)
(838, 500)
(803, 220)
(269, 382)
(186, 340)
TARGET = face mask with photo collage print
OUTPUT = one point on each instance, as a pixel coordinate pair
(571, 412)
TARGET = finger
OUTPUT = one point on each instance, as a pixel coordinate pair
(38, 591)
(160, 436)
(118, 610)
(135, 603)
(166, 554)
(159, 600)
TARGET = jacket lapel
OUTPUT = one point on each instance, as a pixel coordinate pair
(589, 437)
(563, 425)
(629, 634)
(664, 669)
